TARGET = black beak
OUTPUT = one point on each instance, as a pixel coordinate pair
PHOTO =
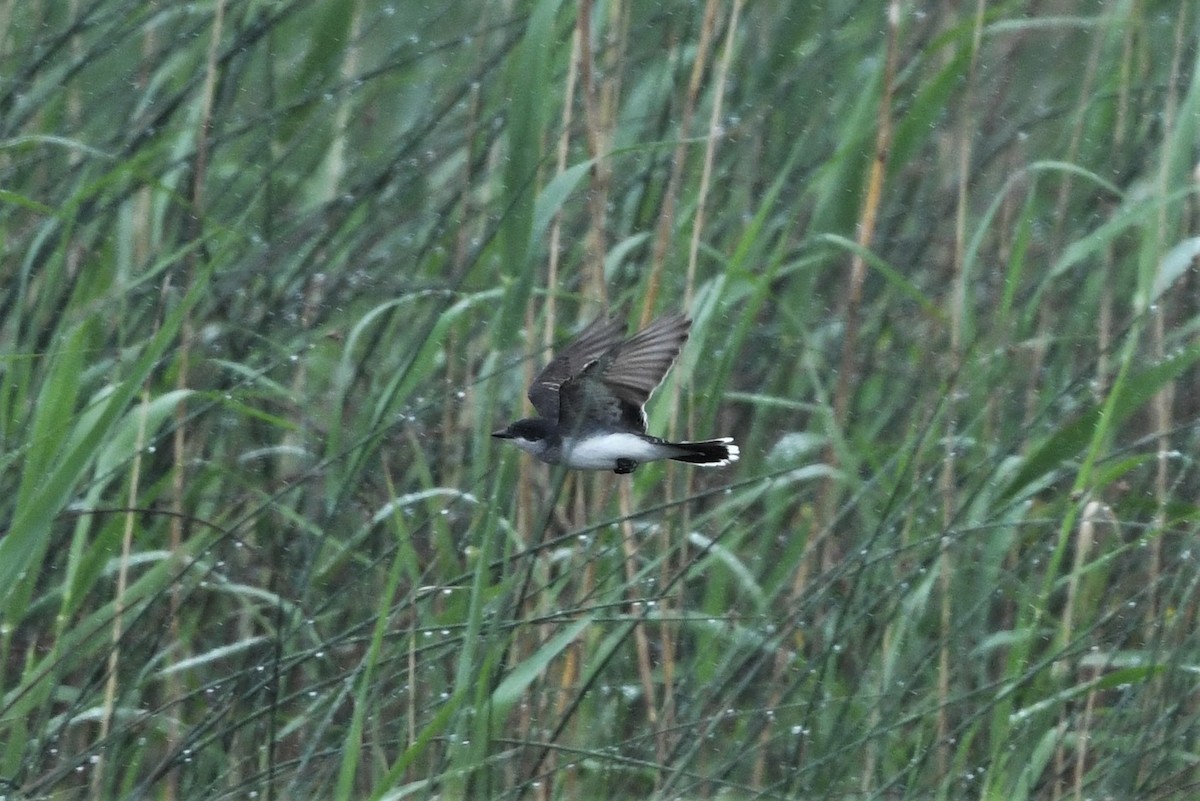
(502, 434)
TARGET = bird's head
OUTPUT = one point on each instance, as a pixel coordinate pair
(531, 434)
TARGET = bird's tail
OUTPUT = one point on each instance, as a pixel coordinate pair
(709, 453)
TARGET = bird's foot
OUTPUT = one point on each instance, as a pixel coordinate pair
(625, 466)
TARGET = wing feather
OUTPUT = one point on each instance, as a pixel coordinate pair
(636, 367)
(593, 342)
(614, 387)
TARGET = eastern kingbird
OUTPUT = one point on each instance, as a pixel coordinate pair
(590, 400)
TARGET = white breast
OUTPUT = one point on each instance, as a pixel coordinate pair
(601, 453)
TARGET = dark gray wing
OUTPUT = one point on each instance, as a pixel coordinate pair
(592, 343)
(614, 388)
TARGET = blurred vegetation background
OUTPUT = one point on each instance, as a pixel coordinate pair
(273, 271)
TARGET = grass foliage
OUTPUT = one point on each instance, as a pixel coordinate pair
(274, 271)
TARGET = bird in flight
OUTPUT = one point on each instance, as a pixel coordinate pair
(591, 400)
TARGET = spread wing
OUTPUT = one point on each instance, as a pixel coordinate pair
(614, 388)
(600, 336)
